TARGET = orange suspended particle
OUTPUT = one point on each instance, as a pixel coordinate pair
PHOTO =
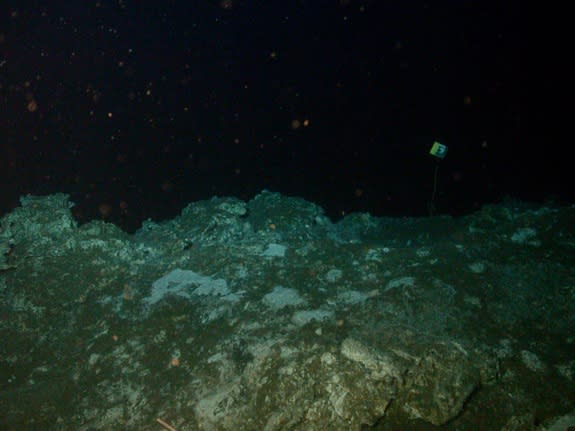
(32, 106)
(175, 361)
(128, 296)
(105, 210)
(167, 186)
(295, 124)
(226, 4)
(272, 226)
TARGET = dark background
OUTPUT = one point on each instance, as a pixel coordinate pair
(138, 107)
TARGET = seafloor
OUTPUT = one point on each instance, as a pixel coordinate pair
(266, 315)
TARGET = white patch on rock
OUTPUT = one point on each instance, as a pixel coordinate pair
(185, 284)
(532, 361)
(282, 297)
(274, 250)
(302, 317)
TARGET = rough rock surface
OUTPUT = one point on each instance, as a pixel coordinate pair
(265, 315)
